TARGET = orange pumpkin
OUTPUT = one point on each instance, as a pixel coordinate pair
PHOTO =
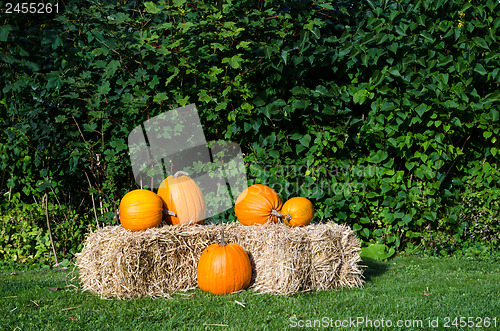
(224, 268)
(258, 204)
(183, 200)
(140, 210)
(297, 211)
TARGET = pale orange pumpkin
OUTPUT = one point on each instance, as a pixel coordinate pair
(297, 211)
(224, 268)
(140, 210)
(183, 201)
(258, 204)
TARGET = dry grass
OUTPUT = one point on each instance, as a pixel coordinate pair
(120, 263)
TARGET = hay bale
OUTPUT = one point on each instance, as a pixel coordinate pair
(124, 264)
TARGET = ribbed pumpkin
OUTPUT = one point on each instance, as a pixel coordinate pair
(183, 200)
(258, 204)
(224, 268)
(140, 210)
(297, 211)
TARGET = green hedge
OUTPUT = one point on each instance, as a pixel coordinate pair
(384, 113)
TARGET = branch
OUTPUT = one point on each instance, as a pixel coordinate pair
(50, 231)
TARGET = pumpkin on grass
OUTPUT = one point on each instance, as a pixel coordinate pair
(140, 210)
(224, 268)
(297, 211)
(258, 204)
(183, 200)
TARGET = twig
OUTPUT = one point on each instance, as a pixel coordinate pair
(48, 226)
(81, 133)
(93, 201)
(69, 308)
(59, 203)
(205, 324)
(241, 304)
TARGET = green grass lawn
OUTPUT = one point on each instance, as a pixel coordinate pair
(411, 290)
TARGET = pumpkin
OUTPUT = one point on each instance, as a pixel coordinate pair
(183, 201)
(224, 268)
(258, 204)
(140, 210)
(297, 211)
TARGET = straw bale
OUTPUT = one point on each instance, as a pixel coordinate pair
(120, 263)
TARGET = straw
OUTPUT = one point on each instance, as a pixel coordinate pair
(116, 262)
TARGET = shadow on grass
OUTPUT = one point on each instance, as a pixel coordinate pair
(373, 268)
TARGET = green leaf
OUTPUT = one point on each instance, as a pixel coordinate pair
(42, 185)
(119, 145)
(118, 18)
(60, 118)
(377, 252)
(4, 32)
(427, 36)
(411, 234)
(159, 97)
(495, 114)
(178, 3)
(451, 104)
(365, 232)
(234, 61)
(421, 109)
(326, 6)
(393, 47)
(406, 219)
(299, 149)
(372, 5)
(395, 72)
(480, 69)
(379, 156)
(386, 187)
(89, 127)
(111, 68)
(284, 56)
(305, 140)
(104, 88)
(481, 42)
(151, 7)
(184, 26)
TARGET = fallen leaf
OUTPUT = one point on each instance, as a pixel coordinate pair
(53, 288)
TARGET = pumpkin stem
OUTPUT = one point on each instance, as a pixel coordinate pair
(222, 240)
(274, 212)
(169, 212)
(288, 217)
(180, 173)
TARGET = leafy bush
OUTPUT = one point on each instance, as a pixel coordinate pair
(384, 113)
(24, 236)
